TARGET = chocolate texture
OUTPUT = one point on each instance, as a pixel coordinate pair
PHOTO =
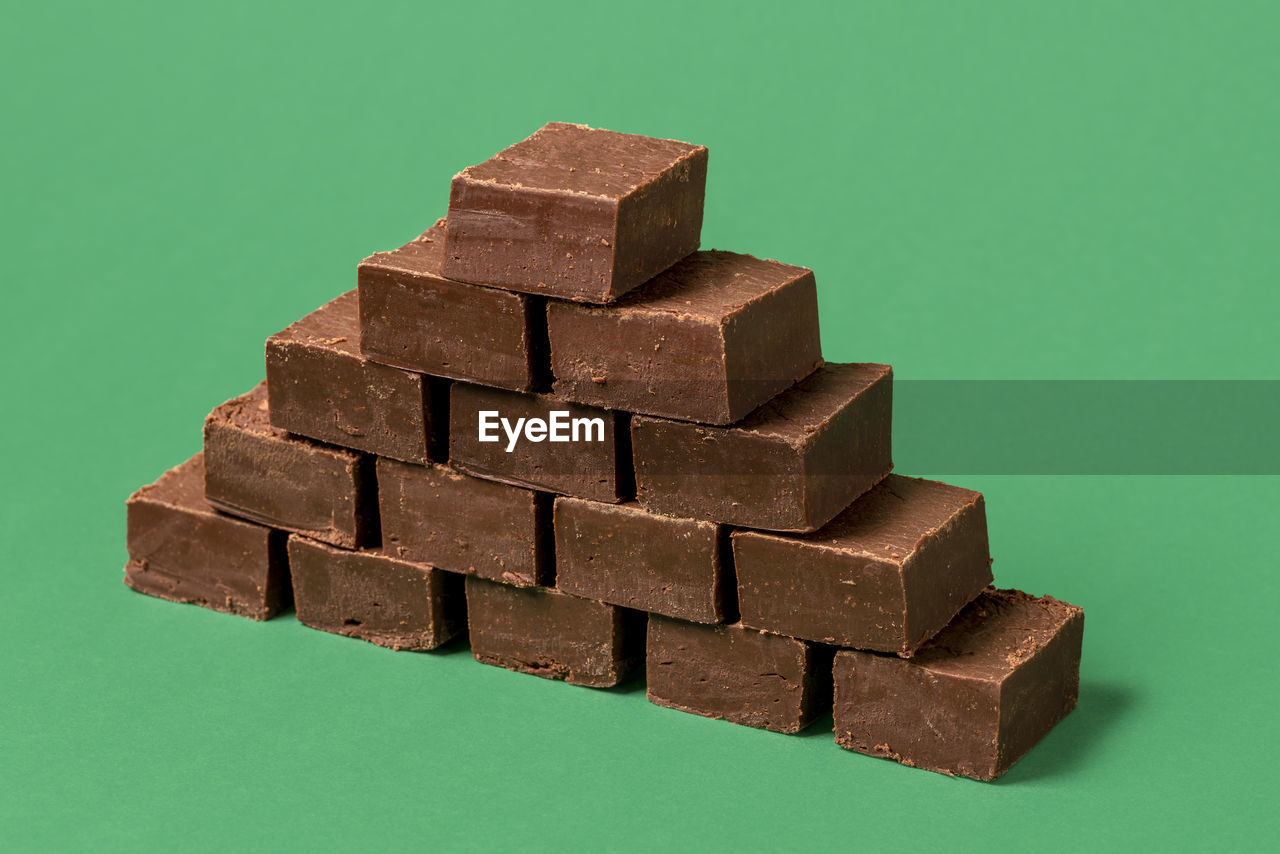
(791, 465)
(183, 550)
(623, 555)
(413, 317)
(886, 574)
(262, 473)
(590, 459)
(551, 634)
(708, 340)
(435, 515)
(321, 387)
(972, 700)
(375, 597)
(738, 674)
(576, 213)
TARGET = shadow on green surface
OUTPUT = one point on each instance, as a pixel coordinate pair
(633, 684)
(1064, 750)
(823, 727)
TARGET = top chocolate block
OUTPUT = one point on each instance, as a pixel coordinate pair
(708, 340)
(576, 213)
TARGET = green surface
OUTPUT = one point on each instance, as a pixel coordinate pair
(985, 190)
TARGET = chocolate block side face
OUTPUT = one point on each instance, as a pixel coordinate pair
(590, 464)
(736, 674)
(1041, 693)
(974, 698)
(412, 317)
(434, 515)
(180, 549)
(622, 555)
(819, 594)
(541, 242)
(948, 571)
(550, 634)
(661, 221)
(374, 597)
(639, 362)
(852, 451)
(322, 388)
(575, 213)
(713, 474)
(884, 575)
(889, 708)
(791, 465)
(772, 343)
(708, 340)
(263, 474)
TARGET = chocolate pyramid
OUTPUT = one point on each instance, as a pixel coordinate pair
(553, 425)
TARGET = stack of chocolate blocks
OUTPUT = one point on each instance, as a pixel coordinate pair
(553, 425)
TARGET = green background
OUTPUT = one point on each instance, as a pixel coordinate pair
(985, 190)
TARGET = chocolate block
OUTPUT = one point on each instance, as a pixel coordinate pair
(886, 574)
(708, 340)
(322, 388)
(264, 474)
(551, 634)
(738, 674)
(183, 550)
(623, 555)
(433, 514)
(576, 213)
(791, 465)
(375, 597)
(576, 450)
(412, 317)
(974, 699)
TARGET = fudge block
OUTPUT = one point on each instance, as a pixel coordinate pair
(375, 597)
(738, 674)
(321, 387)
(624, 555)
(182, 549)
(708, 340)
(576, 213)
(791, 465)
(974, 699)
(413, 317)
(539, 441)
(435, 515)
(886, 574)
(262, 473)
(551, 634)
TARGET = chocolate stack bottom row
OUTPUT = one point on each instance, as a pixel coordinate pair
(552, 427)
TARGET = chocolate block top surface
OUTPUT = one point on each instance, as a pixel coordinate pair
(708, 285)
(894, 519)
(421, 256)
(249, 412)
(334, 326)
(182, 487)
(800, 411)
(995, 634)
(583, 160)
